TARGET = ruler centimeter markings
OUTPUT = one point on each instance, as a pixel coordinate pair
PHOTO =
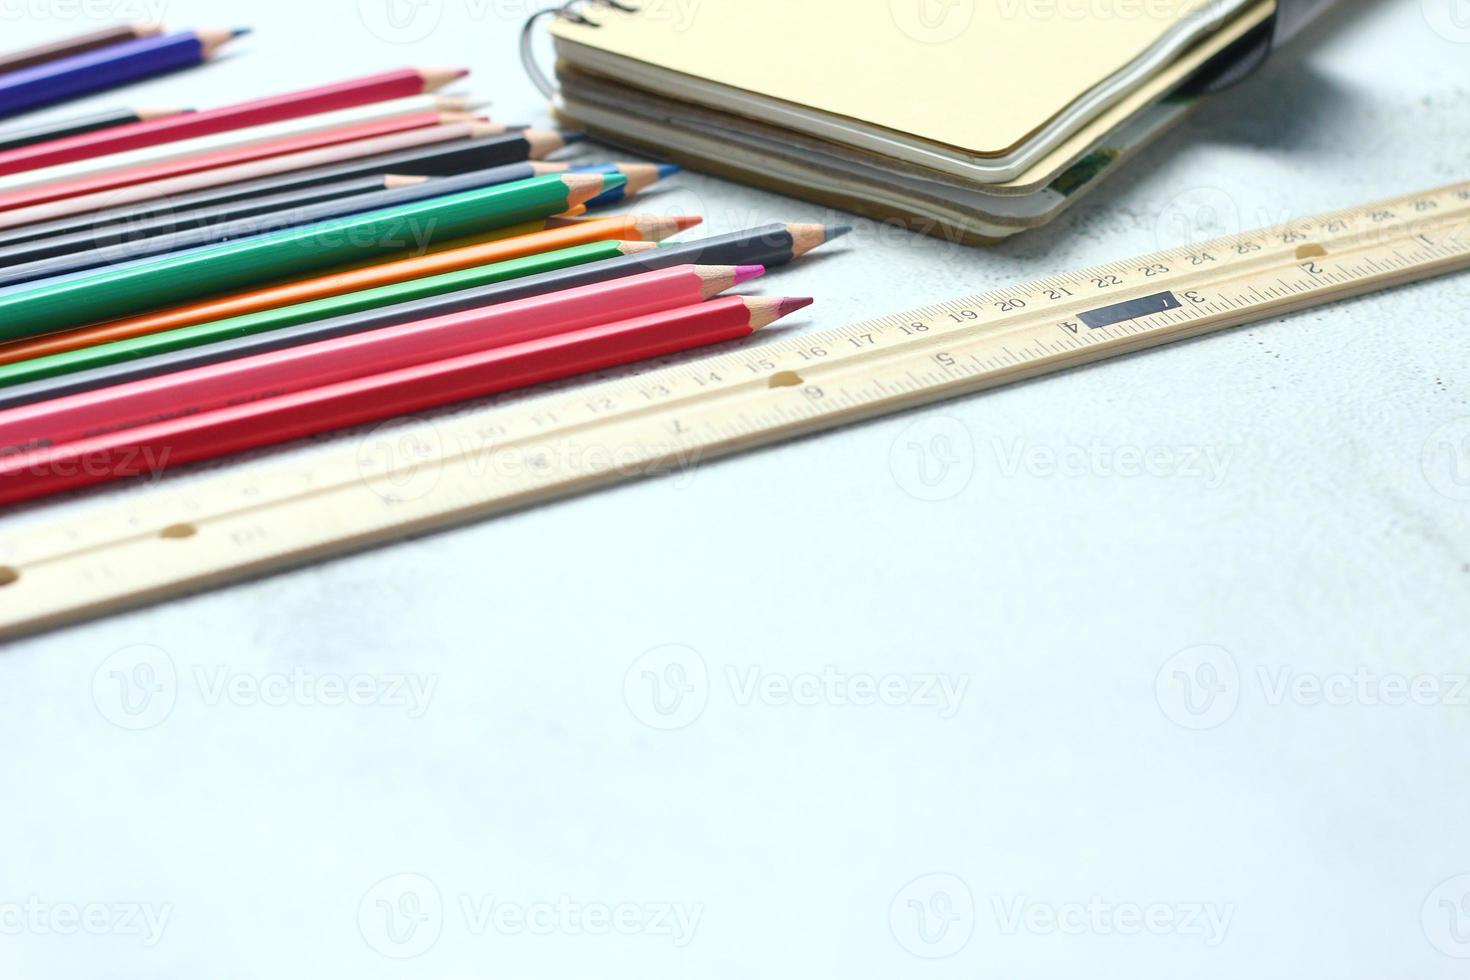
(339, 497)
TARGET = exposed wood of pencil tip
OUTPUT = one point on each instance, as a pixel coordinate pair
(641, 176)
(479, 129)
(147, 30)
(543, 141)
(394, 181)
(436, 78)
(715, 279)
(144, 115)
(213, 39)
(766, 310)
(633, 248)
(655, 228)
(582, 187)
(542, 169)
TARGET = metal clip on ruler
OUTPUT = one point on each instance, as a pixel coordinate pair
(344, 496)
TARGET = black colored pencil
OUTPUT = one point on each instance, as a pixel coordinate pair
(768, 245)
(15, 137)
(124, 229)
(79, 44)
(235, 201)
(421, 189)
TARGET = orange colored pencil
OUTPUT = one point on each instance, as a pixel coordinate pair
(531, 238)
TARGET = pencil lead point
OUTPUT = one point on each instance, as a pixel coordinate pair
(791, 304)
(686, 221)
(837, 231)
(745, 273)
(240, 31)
(666, 170)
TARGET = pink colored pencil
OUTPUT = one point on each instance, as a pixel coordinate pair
(276, 108)
(147, 173)
(221, 176)
(149, 449)
(269, 375)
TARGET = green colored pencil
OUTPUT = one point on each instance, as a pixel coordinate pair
(136, 287)
(118, 351)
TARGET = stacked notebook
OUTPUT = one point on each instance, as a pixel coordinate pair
(972, 119)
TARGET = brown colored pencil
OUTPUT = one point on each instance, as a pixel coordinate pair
(66, 47)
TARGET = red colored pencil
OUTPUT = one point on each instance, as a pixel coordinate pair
(164, 170)
(287, 163)
(275, 373)
(147, 450)
(290, 105)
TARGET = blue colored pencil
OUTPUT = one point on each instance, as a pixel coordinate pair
(106, 68)
(640, 176)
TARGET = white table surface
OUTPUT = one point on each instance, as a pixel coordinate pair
(1060, 810)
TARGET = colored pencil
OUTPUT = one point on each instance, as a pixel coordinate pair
(14, 137)
(776, 244)
(508, 144)
(292, 369)
(518, 241)
(146, 450)
(80, 44)
(641, 176)
(106, 67)
(417, 105)
(120, 229)
(171, 351)
(235, 265)
(407, 191)
(235, 156)
(306, 102)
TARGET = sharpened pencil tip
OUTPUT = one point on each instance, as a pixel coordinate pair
(837, 231)
(686, 221)
(573, 136)
(745, 273)
(666, 170)
(240, 31)
(791, 304)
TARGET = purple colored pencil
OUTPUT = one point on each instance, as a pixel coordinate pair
(105, 68)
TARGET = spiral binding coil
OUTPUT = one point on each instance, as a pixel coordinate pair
(572, 10)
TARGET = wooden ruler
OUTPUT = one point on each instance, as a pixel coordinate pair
(415, 475)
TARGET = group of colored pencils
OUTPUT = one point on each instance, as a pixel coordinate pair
(188, 285)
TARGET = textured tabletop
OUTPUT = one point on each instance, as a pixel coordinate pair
(1150, 670)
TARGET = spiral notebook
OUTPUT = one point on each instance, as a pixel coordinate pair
(926, 110)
